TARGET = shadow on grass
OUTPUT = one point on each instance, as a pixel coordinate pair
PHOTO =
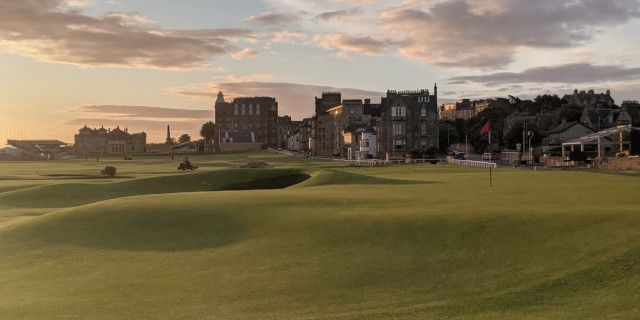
(75, 194)
(348, 178)
(166, 230)
(280, 182)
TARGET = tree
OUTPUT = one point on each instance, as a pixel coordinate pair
(208, 131)
(184, 138)
(571, 112)
(547, 101)
(514, 136)
(448, 135)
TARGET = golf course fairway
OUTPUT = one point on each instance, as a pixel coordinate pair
(316, 240)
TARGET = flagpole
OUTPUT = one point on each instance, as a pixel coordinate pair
(490, 158)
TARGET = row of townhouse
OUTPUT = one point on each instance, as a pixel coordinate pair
(404, 122)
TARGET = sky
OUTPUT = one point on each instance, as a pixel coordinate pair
(146, 64)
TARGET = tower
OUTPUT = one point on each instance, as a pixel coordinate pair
(220, 98)
(168, 135)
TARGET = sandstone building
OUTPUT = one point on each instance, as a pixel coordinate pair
(107, 141)
(247, 120)
(408, 123)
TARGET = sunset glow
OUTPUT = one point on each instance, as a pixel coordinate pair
(147, 64)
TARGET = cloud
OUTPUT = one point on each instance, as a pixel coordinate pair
(156, 130)
(246, 53)
(250, 78)
(49, 31)
(295, 100)
(17, 106)
(487, 34)
(575, 73)
(343, 55)
(79, 3)
(125, 112)
(349, 14)
(355, 1)
(288, 37)
(271, 18)
(152, 120)
(364, 45)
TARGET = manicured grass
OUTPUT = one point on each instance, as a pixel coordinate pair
(396, 242)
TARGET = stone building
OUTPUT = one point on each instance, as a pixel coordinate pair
(249, 119)
(327, 101)
(327, 129)
(107, 141)
(462, 109)
(359, 140)
(408, 123)
(590, 99)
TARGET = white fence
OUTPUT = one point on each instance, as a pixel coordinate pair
(477, 164)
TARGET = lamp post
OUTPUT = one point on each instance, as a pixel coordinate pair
(530, 134)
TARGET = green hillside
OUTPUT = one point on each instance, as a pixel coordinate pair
(396, 242)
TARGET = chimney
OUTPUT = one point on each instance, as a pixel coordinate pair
(367, 101)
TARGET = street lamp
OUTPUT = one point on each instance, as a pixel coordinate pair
(530, 134)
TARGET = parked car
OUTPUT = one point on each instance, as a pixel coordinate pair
(486, 156)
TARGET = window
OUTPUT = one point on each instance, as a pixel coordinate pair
(398, 128)
(244, 111)
(250, 109)
(398, 144)
(423, 111)
(235, 110)
(423, 128)
(258, 109)
(399, 111)
(423, 144)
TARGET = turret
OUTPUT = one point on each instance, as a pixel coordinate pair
(220, 98)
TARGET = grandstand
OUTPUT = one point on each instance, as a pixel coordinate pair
(40, 149)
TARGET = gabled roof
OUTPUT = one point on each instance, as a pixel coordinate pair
(563, 127)
(370, 129)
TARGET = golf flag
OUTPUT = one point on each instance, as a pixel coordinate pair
(485, 129)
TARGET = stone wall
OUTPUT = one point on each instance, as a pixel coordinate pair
(626, 163)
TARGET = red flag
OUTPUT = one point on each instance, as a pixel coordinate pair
(485, 129)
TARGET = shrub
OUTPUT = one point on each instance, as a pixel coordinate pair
(108, 171)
